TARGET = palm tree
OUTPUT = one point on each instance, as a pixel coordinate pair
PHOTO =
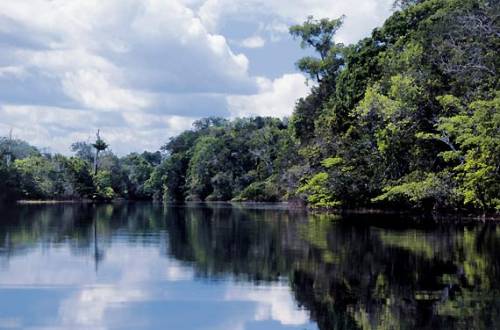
(99, 146)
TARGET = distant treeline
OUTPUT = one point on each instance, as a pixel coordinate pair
(27, 173)
(407, 118)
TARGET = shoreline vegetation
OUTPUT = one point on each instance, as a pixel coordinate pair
(406, 120)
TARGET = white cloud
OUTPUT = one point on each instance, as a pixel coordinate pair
(31, 270)
(95, 90)
(87, 308)
(143, 70)
(101, 56)
(126, 42)
(275, 98)
(16, 71)
(125, 275)
(276, 29)
(131, 275)
(362, 15)
(178, 273)
(253, 42)
(58, 128)
(273, 303)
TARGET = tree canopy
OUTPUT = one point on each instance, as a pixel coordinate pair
(405, 118)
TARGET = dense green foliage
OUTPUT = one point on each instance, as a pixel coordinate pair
(408, 117)
(26, 173)
(412, 119)
(405, 118)
(222, 160)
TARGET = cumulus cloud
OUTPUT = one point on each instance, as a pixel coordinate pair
(128, 43)
(361, 15)
(87, 308)
(275, 98)
(65, 65)
(273, 303)
(176, 273)
(253, 42)
(16, 71)
(144, 70)
(58, 128)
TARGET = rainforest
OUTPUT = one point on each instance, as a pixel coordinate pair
(407, 118)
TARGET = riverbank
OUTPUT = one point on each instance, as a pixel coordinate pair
(411, 214)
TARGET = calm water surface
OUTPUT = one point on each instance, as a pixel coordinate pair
(220, 267)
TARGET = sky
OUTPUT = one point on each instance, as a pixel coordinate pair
(143, 70)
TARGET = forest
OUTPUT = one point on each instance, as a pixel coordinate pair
(407, 118)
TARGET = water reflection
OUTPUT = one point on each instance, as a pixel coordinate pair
(222, 267)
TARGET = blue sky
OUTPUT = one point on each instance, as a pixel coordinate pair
(143, 70)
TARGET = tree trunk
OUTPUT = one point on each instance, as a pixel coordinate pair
(95, 161)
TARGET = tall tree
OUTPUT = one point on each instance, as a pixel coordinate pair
(319, 35)
(99, 146)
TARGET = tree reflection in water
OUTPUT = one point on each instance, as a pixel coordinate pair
(355, 272)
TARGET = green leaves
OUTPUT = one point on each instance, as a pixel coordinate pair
(223, 160)
(318, 193)
(319, 34)
(429, 190)
(476, 132)
(331, 162)
(410, 116)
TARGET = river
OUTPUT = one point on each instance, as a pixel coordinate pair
(222, 266)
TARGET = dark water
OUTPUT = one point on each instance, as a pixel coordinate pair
(218, 267)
